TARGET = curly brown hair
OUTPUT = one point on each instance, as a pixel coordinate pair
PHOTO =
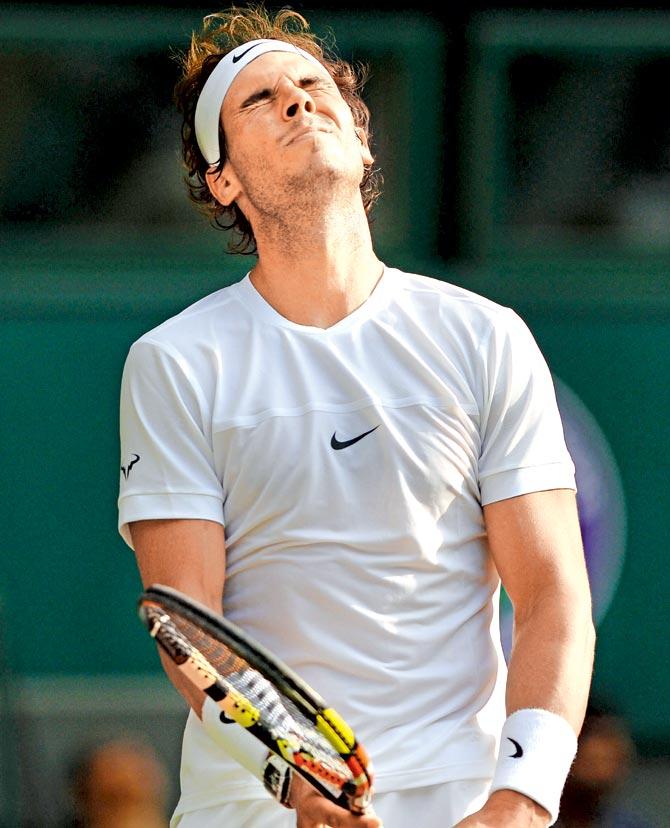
(222, 32)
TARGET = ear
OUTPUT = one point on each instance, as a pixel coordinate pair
(224, 185)
(366, 155)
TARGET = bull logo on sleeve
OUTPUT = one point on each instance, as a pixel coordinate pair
(135, 458)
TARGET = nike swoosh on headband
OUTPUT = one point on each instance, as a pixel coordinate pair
(239, 57)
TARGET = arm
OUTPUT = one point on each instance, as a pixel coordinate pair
(188, 555)
(536, 545)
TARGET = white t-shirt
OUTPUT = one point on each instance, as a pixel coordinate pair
(349, 467)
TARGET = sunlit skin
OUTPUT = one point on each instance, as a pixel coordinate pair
(295, 162)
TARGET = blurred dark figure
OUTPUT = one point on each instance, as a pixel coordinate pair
(119, 784)
(604, 759)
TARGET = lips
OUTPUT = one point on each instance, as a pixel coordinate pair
(308, 130)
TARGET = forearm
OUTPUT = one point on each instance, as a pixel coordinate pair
(535, 541)
(552, 656)
(234, 740)
(188, 555)
(193, 696)
(550, 669)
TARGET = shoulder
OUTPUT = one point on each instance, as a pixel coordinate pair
(202, 321)
(455, 309)
(457, 299)
(186, 350)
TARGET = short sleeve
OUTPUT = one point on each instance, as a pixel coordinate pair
(167, 462)
(523, 447)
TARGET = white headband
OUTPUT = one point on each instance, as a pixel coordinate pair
(208, 108)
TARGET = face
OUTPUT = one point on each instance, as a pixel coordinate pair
(290, 138)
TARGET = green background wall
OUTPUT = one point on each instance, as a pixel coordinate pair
(68, 583)
(73, 300)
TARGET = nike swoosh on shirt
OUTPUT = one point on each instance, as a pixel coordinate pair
(337, 444)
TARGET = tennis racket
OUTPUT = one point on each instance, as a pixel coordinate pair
(260, 693)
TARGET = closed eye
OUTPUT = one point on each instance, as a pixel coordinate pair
(312, 83)
(257, 97)
(303, 83)
(315, 83)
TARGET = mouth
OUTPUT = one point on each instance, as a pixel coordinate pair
(302, 132)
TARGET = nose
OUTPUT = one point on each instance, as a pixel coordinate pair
(297, 101)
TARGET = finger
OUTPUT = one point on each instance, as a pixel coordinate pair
(317, 812)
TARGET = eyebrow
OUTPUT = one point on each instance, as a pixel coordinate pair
(264, 94)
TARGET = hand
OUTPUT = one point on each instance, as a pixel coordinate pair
(507, 809)
(315, 811)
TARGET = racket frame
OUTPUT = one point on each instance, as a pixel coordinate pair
(326, 720)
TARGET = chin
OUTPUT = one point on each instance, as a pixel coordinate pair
(319, 179)
(321, 160)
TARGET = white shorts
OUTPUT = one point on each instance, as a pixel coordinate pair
(440, 806)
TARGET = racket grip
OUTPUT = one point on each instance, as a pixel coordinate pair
(235, 740)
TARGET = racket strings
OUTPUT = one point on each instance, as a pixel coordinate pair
(278, 714)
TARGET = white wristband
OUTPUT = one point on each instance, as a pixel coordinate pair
(237, 742)
(536, 750)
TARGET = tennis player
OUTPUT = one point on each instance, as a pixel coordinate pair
(347, 459)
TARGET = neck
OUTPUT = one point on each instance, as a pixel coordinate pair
(317, 270)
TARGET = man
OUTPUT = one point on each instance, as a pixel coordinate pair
(357, 453)
(119, 783)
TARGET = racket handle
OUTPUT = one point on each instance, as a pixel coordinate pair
(236, 741)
